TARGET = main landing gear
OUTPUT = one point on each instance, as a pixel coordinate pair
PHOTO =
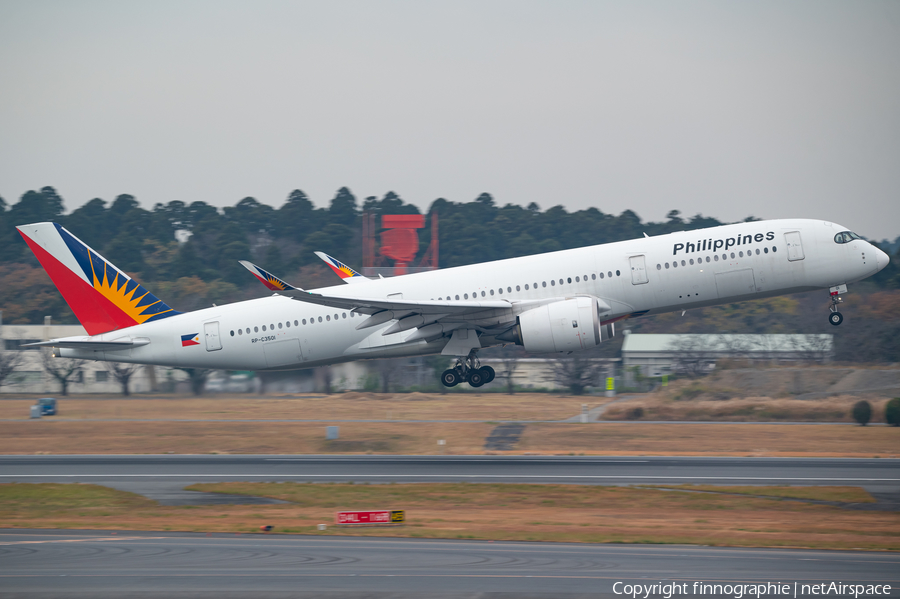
(468, 369)
(836, 317)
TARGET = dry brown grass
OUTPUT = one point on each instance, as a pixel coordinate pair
(480, 511)
(841, 494)
(767, 395)
(813, 440)
(339, 406)
(749, 409)
(74, 437)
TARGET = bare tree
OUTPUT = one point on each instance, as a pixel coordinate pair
(575, 372)
(811, 348)
(510, 365)
(198, 378)
(122, 373)
(693, 354)
(388, 369)
(9, 361)
(64, 370)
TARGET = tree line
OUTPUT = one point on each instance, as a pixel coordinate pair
(200, 267)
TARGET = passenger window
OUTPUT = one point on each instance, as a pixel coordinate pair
(569, 280)
(560, 281)
(618, 274)
(248, 330)
(509, 290)
(518, 288)
(482, 293)
(553, 283)
(328, 317)
(667, 265)
(466, 296)
(256, 329)
(601, 275)
(707, 258)
(320, 319)
(264, 328)
(232, 333)
(609, 274)
(526, 286)
(659, 267)
(675, 264)
(594, 277)
(279, 325)
(544, 284)
(774, 249)
(692, 261)
(577, 279)
(757, 252)
(492, 292)
(682, 263)
(716, 257)
(766, 250)
(500, 291)
(304, 321)
(732, 255)
(240, 331)
(741, 254)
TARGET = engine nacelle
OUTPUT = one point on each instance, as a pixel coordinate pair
(564, 326)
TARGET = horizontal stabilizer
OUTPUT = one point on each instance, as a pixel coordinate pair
(91, 344)
(267, 278)
(347, 274)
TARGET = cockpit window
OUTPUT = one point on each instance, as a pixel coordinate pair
(846, 237)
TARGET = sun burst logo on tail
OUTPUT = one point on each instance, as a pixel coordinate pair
(127, 295)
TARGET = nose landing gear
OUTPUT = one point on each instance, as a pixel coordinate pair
(468, 369)
(836, 317)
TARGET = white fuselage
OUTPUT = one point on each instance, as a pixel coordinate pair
(640, 276)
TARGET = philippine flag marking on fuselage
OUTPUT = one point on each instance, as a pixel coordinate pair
(192, 339)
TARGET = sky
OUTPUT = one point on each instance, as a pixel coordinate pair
(729, 109)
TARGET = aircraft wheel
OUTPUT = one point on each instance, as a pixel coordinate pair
(450, 378)
(835, 318)
(476, 378)
(488, 374)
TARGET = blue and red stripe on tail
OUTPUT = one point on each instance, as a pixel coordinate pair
(102, 297)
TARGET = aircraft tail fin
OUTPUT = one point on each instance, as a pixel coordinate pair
(347, 274)
(102, 297)
(267, 278)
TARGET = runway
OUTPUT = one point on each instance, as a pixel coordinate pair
(40, 563)
(162, 477)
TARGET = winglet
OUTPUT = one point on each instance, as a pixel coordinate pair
(267, 278)
(340, 269)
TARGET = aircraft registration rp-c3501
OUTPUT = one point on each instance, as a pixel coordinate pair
(556, 302)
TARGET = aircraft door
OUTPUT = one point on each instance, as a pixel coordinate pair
(638, 270)
(211, 332)
(794, 246)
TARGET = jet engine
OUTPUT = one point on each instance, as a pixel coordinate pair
(564, 326)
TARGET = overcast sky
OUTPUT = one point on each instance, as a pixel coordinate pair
(772, 109)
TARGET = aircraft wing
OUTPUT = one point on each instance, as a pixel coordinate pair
(373, 305)
(347, 274)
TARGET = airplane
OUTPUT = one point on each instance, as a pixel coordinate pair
(562, 301)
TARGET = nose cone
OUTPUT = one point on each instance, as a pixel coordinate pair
(881, 259)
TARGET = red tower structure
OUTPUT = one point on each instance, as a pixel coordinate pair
(399, 242)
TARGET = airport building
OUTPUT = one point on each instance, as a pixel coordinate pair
(658, 355)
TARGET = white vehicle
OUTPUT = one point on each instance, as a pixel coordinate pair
(556, 302)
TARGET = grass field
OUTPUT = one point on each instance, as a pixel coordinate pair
(477, 511)
(339, 406)
(74, 437)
